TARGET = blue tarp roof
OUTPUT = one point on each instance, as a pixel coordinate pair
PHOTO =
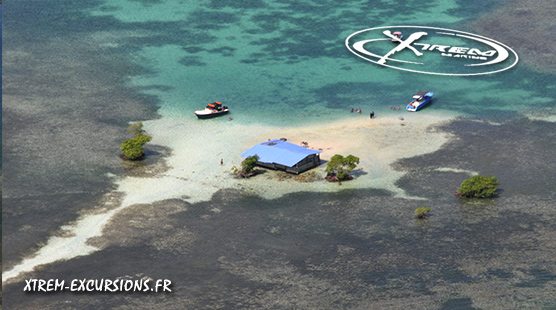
(280, 152)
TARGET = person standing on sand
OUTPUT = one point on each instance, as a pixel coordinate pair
(372, 114)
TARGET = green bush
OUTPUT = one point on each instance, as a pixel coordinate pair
(247, 167)
(422, 212)
(479, 187)
(339, 166)
(249, 163)
(133, 148)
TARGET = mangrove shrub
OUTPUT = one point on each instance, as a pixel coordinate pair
(133, 148)
(338, 167)
(479, 187)
(247, 167)
(422, 212)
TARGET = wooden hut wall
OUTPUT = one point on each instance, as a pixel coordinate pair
(305, 164)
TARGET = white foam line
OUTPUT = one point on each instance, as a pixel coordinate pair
(89, 226)
(446, 169)
(548, 118)
(62, 248)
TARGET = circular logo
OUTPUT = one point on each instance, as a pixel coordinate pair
(431, 50)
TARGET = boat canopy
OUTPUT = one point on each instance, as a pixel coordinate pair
(214, 105)
(421, 93)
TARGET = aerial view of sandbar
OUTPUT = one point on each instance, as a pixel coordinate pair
(278, 154)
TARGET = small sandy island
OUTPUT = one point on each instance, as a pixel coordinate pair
(198, 147)
(195, 172)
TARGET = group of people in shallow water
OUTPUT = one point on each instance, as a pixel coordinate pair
(372, 115)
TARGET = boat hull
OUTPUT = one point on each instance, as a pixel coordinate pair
(211, 115)
(415, 109)
(412, 107)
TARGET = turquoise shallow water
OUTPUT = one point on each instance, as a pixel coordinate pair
(282, 63)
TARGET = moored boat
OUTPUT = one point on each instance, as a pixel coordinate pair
(397, 37)
(212, 110)
(420, 99)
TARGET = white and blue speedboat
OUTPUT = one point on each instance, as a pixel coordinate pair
(420, 99)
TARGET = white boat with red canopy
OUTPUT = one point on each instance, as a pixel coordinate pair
(398, 37)
(212, 110)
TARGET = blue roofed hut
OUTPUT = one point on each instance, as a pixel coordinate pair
(282, 155)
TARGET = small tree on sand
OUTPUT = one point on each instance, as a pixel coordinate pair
(422, 212)
(247, 167)
(133, 148)
(479, 187)
(338, 167)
